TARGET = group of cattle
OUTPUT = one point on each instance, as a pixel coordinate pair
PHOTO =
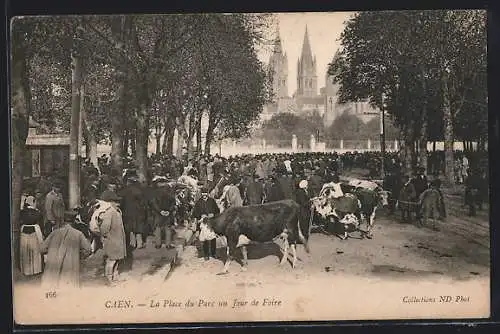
(268, 222)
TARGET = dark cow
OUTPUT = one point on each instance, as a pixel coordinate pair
(258, 224)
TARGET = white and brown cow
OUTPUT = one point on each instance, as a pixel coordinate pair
(358, 202)
(260, 224)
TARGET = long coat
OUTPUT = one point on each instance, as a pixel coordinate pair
(430, 201)
(64, 248)
(287, 185)
(133, 208)
(254, 193)
(303, 199)
(233, 197)
(407, 197)
(274, 192)
(315, 184)
(113, 234)
(54, 207)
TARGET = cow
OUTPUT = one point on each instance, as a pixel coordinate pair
(260, 223)
(88, 221)
(184, 201)
(358, 201)
(370, 201)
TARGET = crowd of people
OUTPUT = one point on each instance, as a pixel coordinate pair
(132, 211)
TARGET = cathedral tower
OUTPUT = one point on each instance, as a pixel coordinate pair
(279, 65)
(307, 81)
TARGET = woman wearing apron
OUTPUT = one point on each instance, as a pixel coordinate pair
(31, 238)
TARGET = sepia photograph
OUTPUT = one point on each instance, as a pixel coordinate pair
(248, 167)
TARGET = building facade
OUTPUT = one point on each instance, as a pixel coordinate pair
(307, 99)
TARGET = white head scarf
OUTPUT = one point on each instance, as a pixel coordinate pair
(303, 184)
(30, 202)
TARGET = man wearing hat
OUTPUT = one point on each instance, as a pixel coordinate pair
(162, 205)
(54, 209)
(112, 235)
(64, 248)
(287, 184)
(254, 191)
(303, 199)
(420, 183)
(233, 195)
(133, 206)
(315, 182)
(205, 207)
(430, 201)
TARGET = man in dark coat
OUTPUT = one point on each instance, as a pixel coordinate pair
(133, 208)
(472, 187)
(54, 209)
(421, 184)
(304, 200)
(273, 190)
(254, 192)
(407, 200)
(162, 205)
(287, 184)
(315, 183)
(419, 181)
(206, 207)
(392, 183)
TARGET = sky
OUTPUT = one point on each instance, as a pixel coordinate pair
(324, 30)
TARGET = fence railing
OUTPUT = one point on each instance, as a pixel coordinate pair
(285, 146)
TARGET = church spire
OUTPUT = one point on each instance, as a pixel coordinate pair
(306, 48)
(277, 42)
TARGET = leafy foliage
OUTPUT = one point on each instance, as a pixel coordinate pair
(402, 54)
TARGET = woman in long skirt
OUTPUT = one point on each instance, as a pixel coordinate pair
(31, 238)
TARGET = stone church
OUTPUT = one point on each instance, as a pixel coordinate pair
(307, 99)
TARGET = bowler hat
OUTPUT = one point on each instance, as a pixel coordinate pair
(110, 196)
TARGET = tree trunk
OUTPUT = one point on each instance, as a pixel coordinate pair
(90, 139)
(20, 112)
(423, 144)
(210, 134)
(142, 139)
(74, 162)
(117, 125)
(183, 136)
(133, 141)
(158, 143)
(169, 141)
(448, 130)
(191, 133)
(120, 26)
(126, 143)
(198, 137)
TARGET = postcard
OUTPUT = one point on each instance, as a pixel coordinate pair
(250, 167)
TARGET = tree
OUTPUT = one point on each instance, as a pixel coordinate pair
(425, 78)
(20, 112)
(347, 127)
(281, 127)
